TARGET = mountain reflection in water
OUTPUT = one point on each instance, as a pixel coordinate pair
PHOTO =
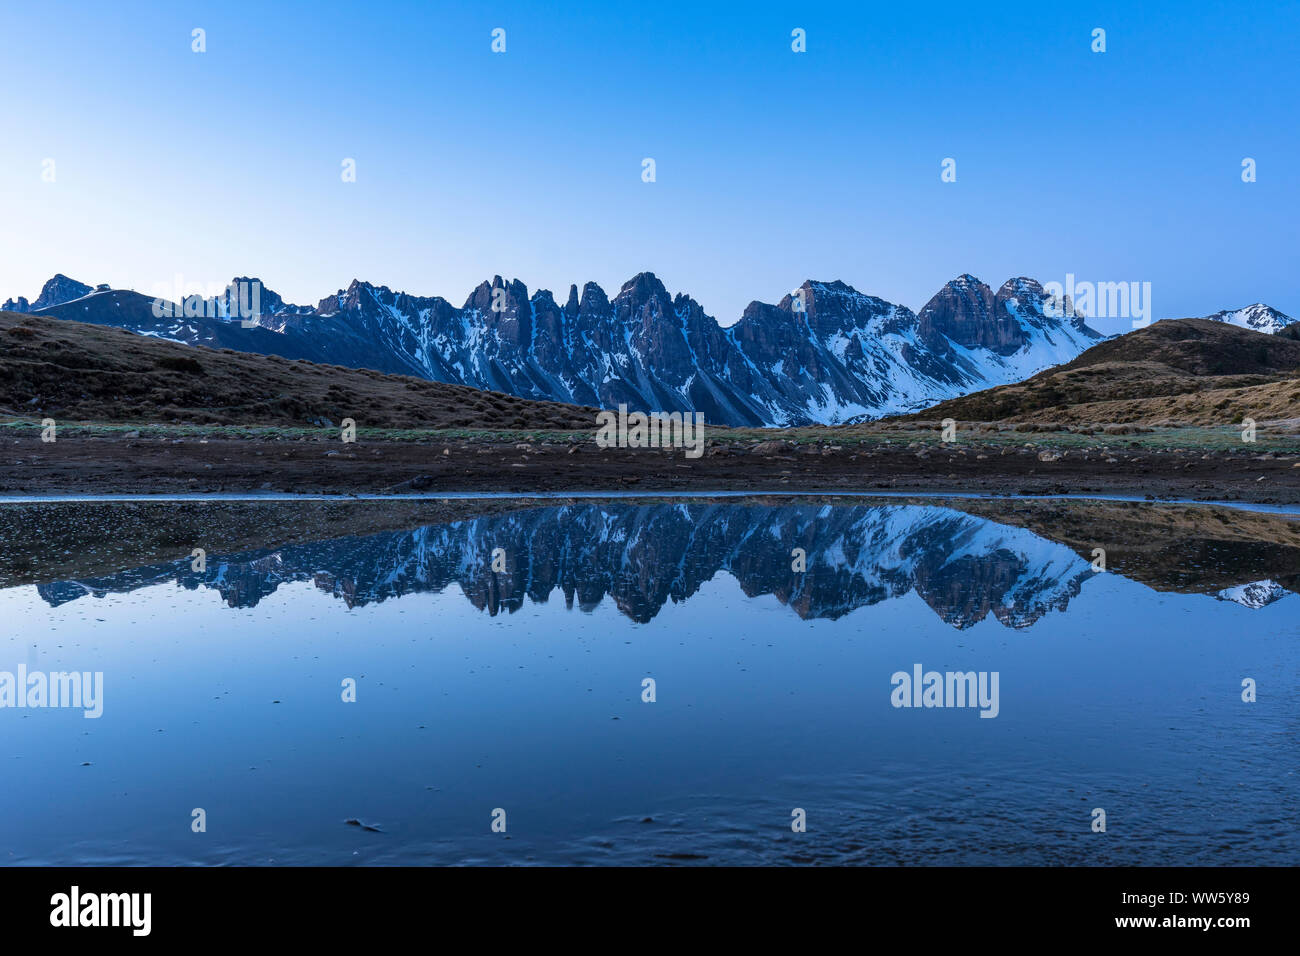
(965, 567)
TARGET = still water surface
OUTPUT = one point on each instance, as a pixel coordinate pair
(522, 690)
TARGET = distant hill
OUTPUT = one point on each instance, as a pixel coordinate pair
(1193, 371)
(81, 372)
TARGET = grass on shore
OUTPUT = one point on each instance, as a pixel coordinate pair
(1226, 438)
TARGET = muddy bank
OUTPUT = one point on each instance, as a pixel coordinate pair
(80, 464)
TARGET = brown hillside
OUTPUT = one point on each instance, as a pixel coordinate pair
(1190, 371)
(94, 373)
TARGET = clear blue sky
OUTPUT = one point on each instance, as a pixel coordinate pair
(772, 166)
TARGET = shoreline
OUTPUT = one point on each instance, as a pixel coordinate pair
(1152, 468)
(547, 497)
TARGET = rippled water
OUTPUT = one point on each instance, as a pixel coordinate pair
(522, 690)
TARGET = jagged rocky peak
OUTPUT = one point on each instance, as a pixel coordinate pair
(812, 328)
(56, 291)
(60, 289)
(641, 288)
(1027, 300)
(594, 301)
(809, 296)
(571, 306)
(694, 317)
(754, 312)
(513, 298)
(332, 304)
(240, 290)
(340, 301)
(800, 301)
(1021, 287)
(1024, 296)
(644, 299)
(964, 312)
(848, 306)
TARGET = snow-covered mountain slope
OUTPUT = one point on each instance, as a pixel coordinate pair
(1258, 317)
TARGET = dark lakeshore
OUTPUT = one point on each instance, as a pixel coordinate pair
(1186, 463)
(1188, 409)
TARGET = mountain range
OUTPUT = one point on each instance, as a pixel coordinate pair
(825, 353)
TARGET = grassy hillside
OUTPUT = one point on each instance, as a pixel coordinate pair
(72, 371)
(1189, 371)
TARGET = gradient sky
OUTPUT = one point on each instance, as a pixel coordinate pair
(772, 166)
